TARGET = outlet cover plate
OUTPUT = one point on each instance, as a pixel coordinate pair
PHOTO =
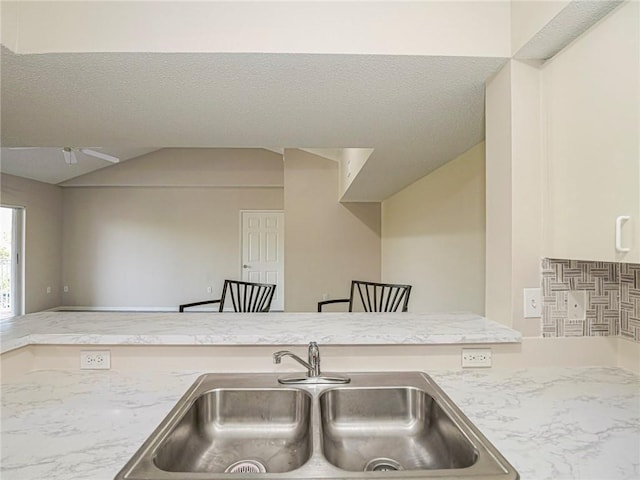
(95, 359)
(476, 357)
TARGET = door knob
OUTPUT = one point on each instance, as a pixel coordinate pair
(246, 266)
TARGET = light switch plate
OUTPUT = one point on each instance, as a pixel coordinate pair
(532, 303)
(577, 305)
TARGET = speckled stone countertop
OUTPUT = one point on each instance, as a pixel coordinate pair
(115, 328)
(560, 423)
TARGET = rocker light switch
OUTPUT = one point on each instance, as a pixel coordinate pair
(532, 303)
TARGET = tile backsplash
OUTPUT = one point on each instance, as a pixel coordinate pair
(630, 301)
(612, 295)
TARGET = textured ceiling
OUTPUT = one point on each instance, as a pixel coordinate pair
(417, 112)
(569, 24)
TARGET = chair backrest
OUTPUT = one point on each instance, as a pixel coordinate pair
(248, 296)
(380, 297)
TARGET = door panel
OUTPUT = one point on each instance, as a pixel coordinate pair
(271, 247)
(253, 240)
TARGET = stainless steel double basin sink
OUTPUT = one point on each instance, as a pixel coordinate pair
(380, 425)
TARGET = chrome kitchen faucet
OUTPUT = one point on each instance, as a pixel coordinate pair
(312, 366)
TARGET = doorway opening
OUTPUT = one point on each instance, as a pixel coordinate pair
(11, 261)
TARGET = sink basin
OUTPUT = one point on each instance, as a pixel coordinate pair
(241, 431)
(373, 429)
(396, 425)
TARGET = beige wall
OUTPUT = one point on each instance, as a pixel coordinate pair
(532, 352)
(538, 186)
(185, 167)
(514, 193)
(327, 243)
(417, 28)
(498, 202)
(527, 190)
(433, 236)
(157, 246)
(153, 247)
(43, 238)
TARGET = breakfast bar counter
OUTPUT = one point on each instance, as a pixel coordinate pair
(275, 328)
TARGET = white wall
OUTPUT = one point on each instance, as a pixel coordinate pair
(43, 238)
(160, 246)
(327, 243)
(433, 236)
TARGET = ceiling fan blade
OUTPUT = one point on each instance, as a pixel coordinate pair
(69, 156)
(103, 156)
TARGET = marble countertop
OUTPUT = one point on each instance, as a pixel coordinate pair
(115, 328)
(560, 423)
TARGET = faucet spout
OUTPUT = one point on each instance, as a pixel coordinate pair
(312, 366)
(277, 358)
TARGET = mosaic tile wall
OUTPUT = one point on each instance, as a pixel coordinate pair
(630, 301)
(613, 298)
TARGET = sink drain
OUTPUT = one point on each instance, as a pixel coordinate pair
(246, 466)
(382, 465)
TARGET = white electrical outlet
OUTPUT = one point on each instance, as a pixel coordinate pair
(65, 289)
(476, 357)
(209, 289)
(576, 305)
(95, 359)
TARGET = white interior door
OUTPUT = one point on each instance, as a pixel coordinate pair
(263, 251)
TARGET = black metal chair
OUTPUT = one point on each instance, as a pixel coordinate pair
(375, 297)
(245, 297)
